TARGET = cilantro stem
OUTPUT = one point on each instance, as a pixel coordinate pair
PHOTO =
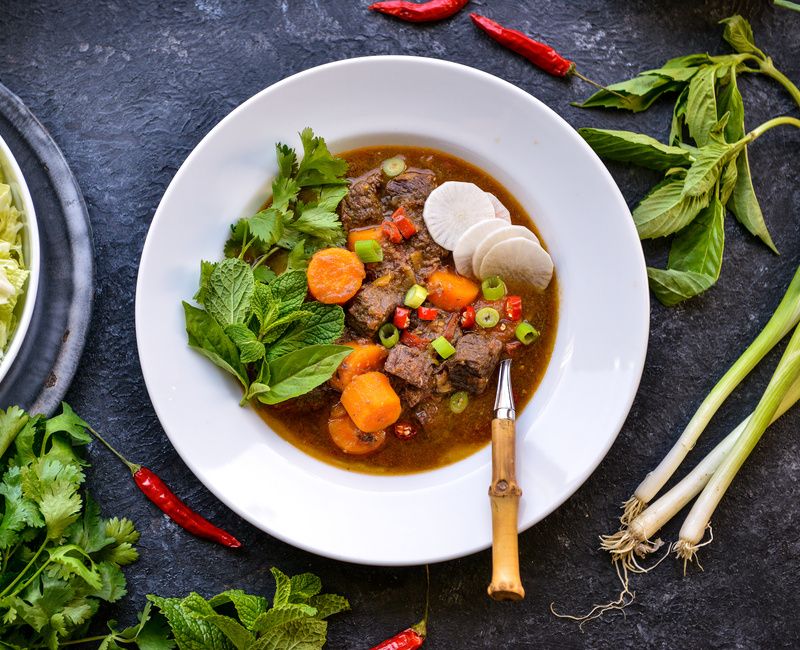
(265, 256)
(32, 578)
(770, 70)
(27, 566)
(131, 466)
(89, 639)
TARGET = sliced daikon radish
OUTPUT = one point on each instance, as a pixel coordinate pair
(452, 208)
(506, 232)
(500, 211)
(469, 241)
(519, 260)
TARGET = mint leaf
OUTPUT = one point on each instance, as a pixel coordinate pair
(665, 210)
(283, 587)
(236, 633)
(205, 273)
(635, 148)
(297, 258)
(230, 288)
(319, 166)
(263, 274)
(325, 325)
(209, 339)
(289, 289)
(280, 615)
(277, 327)
(250, 348)
(303, 587)
(248, 607)
(329, 604)
(302, 370)
(302, 634)
(190, 630)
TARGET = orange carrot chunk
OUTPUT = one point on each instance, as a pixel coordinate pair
(451, 291)
(349, 438)
(371, 401)
(373, 232)
(365, 357)
(334, 275)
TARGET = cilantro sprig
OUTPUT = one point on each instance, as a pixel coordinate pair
(255, 324)
(60, 558)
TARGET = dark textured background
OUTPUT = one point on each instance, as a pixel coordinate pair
(128, 89)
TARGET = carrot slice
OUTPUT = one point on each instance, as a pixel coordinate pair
(451, 291)
(373, 232)
(371, 401)
(365, 357)
(349, 438)
(334, 275)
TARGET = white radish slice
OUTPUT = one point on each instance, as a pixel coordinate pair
(506, 232)
(519, 260)
(500, 211)
(469, 241)
(452, 208)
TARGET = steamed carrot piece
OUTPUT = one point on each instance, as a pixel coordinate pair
(349, 438)
(372, 232)
(371, 401)
(334, 275)
(365, 357)
(451, 291)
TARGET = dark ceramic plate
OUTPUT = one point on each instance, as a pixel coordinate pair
(48, 358)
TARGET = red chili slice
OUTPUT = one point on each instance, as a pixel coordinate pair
(513, 307)
(467, 318)
(392, 232)
(403, 223)
(401, 317)
(427, 313)
(405, 430)
(412, 340)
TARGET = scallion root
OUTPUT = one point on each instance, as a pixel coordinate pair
(631, 509)
(626, 597)
(687, 550)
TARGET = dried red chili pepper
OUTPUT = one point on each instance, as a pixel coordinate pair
(392, 232)
(412, 340)
(513, 307)
(421, 12)
(401, 317)
(450, 327)
(157, 491)
(403, 223)
(540, 54)
(413, 637)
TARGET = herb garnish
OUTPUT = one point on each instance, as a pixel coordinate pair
(705, 159)
(255, 324)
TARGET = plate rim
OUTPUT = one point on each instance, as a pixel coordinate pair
(642, 336)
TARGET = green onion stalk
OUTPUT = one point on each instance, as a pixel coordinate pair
(786, 317)
(636, 539)
(786, 375)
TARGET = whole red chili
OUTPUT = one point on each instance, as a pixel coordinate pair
(421, 12)
(413, 637)
(157, 491)
(540, 54)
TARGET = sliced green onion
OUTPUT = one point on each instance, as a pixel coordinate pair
(368, 251)
(526, 333)
(415, 296)
(459, 401)
(393, 166)
(389, 335)
(493, 288)
(487, 317)
(443, 347)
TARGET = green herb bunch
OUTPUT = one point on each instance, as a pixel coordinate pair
(255, 324)
(705, 163)
(234, 620)
(60, 558)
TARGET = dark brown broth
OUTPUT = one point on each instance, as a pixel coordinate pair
(449, 437)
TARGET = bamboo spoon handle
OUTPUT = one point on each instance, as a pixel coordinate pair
(504, 494)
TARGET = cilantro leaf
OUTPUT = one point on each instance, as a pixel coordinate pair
(89, 532)
(54, 487)
(11, 422)
(70, 423)
(267, 225)
(112, 581)
(297, 258)
(319, 166)
(18, 511)
(69, 561)
(320, 223)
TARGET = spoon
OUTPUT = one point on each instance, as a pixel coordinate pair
(504, 494)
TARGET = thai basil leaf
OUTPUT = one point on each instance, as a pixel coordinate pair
(744, 203)
(665, 210)
(740, 36)
(207, 337)
(706, 168)
(671, 286)
(727, 180)
(635, 94)
(303, 370)
(701, 104)
(678, 118)
(729, 100)
(230, 288)
(687, 61)
(635, 148)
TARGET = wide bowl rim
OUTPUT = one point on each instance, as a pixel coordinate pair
(643, 304)
(31, 252)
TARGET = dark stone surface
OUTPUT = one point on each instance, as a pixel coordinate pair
(128, 88)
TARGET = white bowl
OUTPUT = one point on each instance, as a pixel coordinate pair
(584, 397)
(30, 251)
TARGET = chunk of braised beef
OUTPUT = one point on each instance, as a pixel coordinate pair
(474, 361)
(374, 305)
(410, 395)
(426, 411)
(362, 205)
(410, 188)
(412, 365)
(442, 383)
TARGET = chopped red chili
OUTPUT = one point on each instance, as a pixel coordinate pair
(405, 430)
(401, 317)
(392, 232)
(513, 347)
(467, 319)
(419, 12)
(427, 313)
(403, 223)
(513, 307)
(412, 340)
(450, 326)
